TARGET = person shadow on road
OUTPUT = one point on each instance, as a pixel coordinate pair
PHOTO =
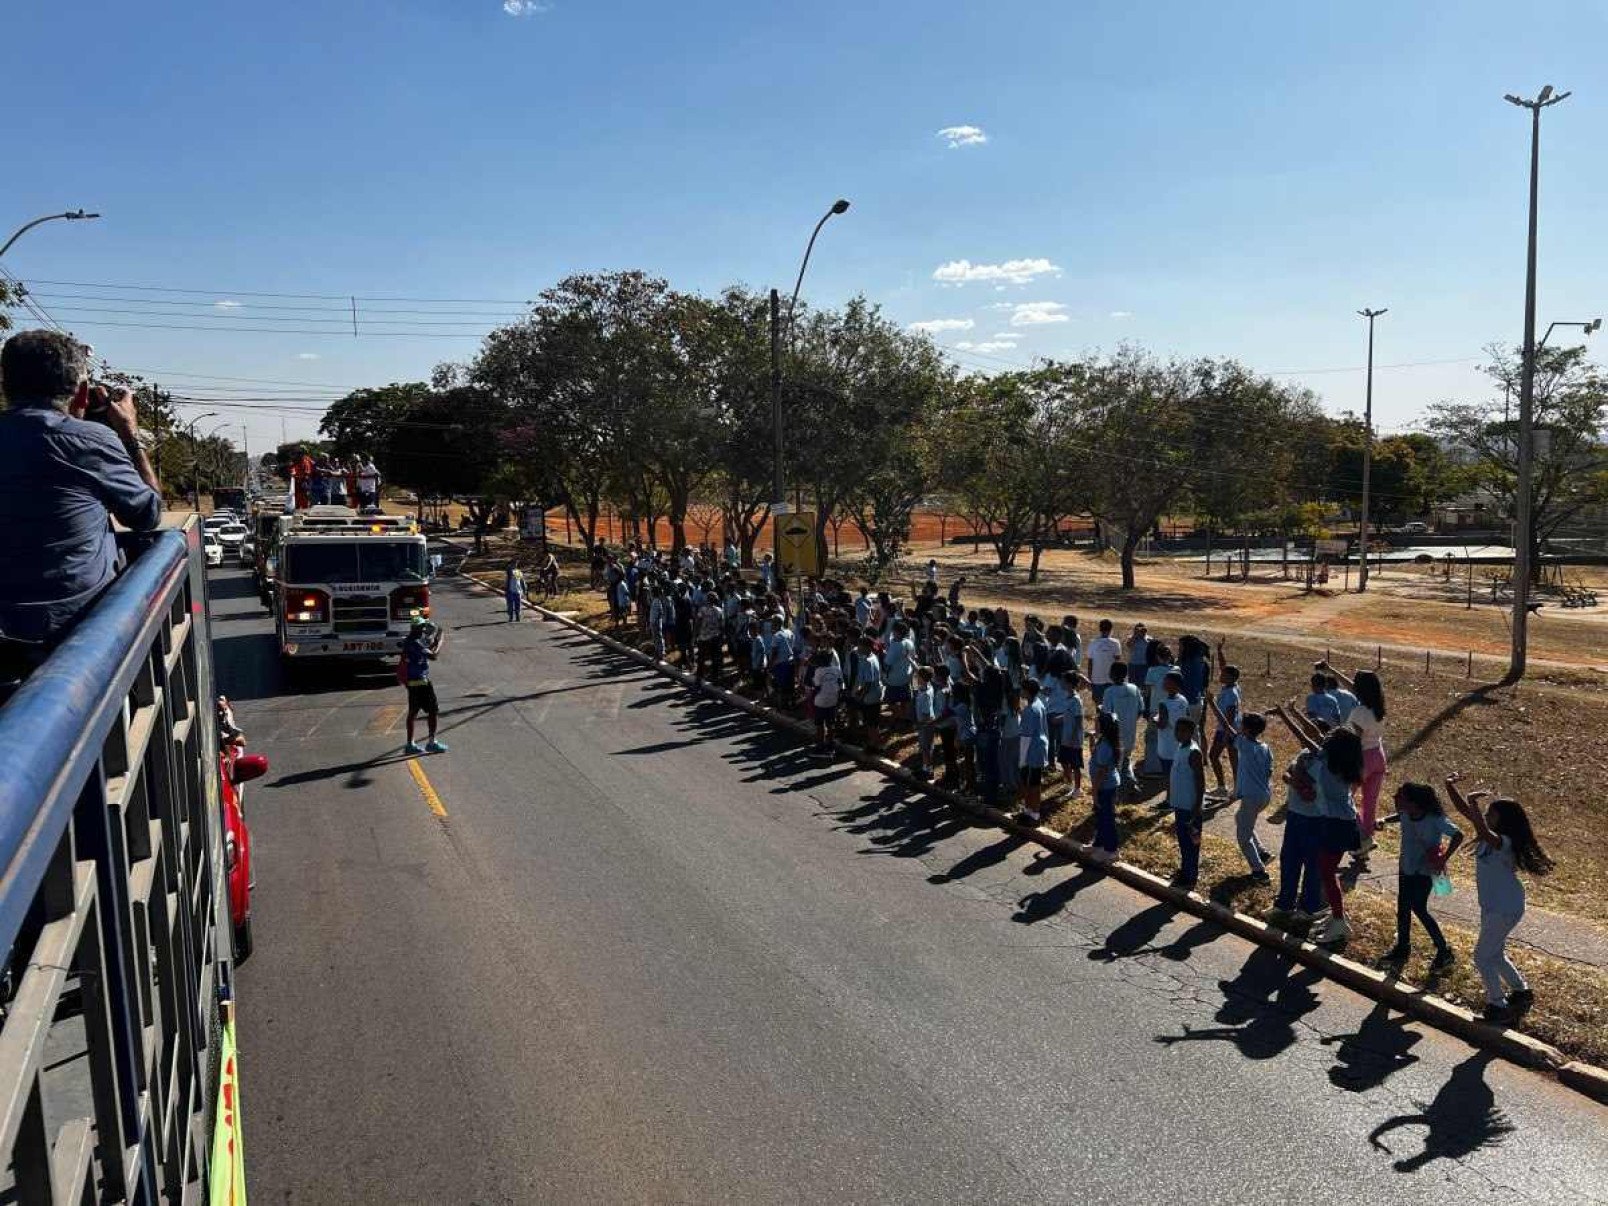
(1462, 1118)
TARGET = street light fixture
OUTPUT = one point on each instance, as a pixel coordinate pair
(195, 478)
(76, 215)
(1524, 520)
(778, 489)
(1367, 454)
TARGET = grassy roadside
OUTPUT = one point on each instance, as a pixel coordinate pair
(1571, 1009)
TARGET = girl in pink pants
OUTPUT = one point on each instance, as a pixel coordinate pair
(1368, 718)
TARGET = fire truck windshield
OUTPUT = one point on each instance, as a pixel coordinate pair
(363, 560)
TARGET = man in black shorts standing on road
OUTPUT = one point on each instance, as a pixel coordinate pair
(422, 646)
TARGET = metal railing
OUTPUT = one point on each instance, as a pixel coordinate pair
(111, 868)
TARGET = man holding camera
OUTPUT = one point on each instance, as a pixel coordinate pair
(69, 456)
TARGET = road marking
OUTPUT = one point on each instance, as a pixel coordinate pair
(427, 789)
(383, 720)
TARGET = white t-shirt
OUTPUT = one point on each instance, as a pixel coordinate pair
(1362, 719)
(1496, 878)
(1103, 650)
(368, 478)
(828, 685)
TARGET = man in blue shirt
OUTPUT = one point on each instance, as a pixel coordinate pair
(422, 646)
(61, 476)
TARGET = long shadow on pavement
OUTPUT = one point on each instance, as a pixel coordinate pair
(1380, 1047)
(1462, 1118)
(1261, 1006)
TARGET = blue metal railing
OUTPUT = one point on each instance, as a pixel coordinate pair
(110, 895)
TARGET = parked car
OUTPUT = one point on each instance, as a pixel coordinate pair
(1415, 529)
(211, 548)
(237, 768)
(231, 535)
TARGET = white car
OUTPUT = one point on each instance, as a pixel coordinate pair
(232, 536)
(211, 548)
(213, 522)
(248, 551)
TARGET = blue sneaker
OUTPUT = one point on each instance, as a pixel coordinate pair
(435, 747)
(413, 747)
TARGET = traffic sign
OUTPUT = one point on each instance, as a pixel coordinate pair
(795, 544)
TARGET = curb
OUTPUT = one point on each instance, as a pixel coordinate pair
(1584, 1078)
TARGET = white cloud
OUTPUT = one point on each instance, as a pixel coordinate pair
(963, 136)
(987, 345)
(933, 326)
(226, 305)
(1038, 314)
(1014, 272)
(525, 8)
(307, 356)
(1122, 314)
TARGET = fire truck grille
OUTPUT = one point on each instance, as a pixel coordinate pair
(362, 613)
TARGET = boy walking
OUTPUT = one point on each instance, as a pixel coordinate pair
(422, 646)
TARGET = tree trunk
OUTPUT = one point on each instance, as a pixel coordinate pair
(1033, 567)
(1130, 543)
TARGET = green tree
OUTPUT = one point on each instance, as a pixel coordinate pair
(449, 444)
(1570, 460)
(361, 423)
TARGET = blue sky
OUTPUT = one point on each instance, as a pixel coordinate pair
(1235, 179)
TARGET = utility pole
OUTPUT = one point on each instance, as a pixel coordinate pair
(1524, 529)
(1367, 455)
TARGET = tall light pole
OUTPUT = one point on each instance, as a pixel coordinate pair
(1524, 520)
(778, 486)
(1367, 454)
(76, 215)
(195, 459)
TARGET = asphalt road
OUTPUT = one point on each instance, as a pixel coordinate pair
(654, 953)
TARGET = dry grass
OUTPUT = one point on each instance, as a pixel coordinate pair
(1527, 741)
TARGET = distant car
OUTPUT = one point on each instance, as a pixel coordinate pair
(213, 522)
(1415, 529)
(232, 536)
(211, 548)
(248, 551)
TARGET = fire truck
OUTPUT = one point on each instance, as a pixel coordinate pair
(347, 585)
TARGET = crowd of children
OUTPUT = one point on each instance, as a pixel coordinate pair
(1000, 708)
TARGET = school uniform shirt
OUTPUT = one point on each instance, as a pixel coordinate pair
(828, 686)
(926, 704)
(1103, 650)
(1496, 878)
(1293, 800)
(1228, 702)
(756, 653)
(868, 679)
(901, 662)
(1181, 781)
(1124, 701)
(1347, 701)
(1334, 793)
(1138, 653)
(1254, 778)
(710, 623)
(956, 667)
(862, 610)
(781, 648)
(514, 584)
(965, 726)
(1102, 767)
(1058, 661)
(656, 615)
(1171, 709)
(1421, 838)
(1074, 646)
(1371, 728)
(1035, 735)
(1072, 722)
(1154, 691)
(1320, 705)
(1053, 697)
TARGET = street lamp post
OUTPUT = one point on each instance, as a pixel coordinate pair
(76, 215)
(195, 459)
(1522, 567)
(778, 486)
(1367, 454)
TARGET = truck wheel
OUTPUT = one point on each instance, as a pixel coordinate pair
(242, 942)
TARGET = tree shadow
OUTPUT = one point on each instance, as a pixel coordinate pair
(1379, 1048)
(1462, 1119)
(1479, 697)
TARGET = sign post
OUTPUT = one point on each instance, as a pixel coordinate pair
(796, 552)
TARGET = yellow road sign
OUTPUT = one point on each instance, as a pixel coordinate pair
(795, 544)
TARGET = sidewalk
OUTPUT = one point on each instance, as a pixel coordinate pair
(1549, 933)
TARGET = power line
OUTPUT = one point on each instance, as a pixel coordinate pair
(338, 297)
(228, 306)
